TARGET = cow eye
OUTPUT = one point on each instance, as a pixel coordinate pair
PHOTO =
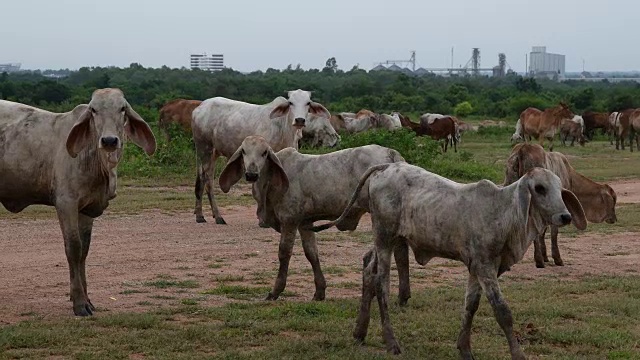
(242, 151)
(264, 153)
(93, 111)
(290, 103)
(309, 103)
(541, 189)
(123, 109)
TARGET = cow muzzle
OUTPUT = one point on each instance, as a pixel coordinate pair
(299, 122)
(109, 143)
(561, 219)
(251, 177)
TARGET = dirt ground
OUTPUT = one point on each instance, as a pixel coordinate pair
(128, 252)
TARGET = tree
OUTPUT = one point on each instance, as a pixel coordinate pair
(463, 109)
(330, 66)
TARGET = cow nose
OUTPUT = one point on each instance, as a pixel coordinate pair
(251, 177)
(299, 121)
(109, 141)
(566, 219)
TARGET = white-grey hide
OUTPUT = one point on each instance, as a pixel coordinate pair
(430, 117)
(220, 125)
(317, 187)
(319, 132)
(69, 161)
(517, 135)
(486, 227)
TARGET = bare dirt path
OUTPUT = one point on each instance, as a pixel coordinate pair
(130, 253)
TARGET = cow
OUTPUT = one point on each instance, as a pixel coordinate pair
(319, 132)
(634, 129)
(406, 122)
(574, 128)
(410, 205)
(598, 200)
(544, 124)
(518, 134)
(177, 112)
(595, 120)
(220, 125)
(291, 195)
(68, 161)
(621, 127)
(440, 128)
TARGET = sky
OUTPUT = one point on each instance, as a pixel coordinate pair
(259, 34)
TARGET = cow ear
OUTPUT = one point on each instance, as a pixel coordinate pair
(317, 109)
(280, 111)
(279, 180)
(232, 172)
(80, 135)
(575, 209)
(139, 131)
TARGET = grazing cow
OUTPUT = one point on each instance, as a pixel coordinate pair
(68, 161)
(518, 134)
(544, 124)
(291, 195)
(621, 127)
(220, 125)
(319, 132)
(634, 129)
(337, 122)
(410, 205)
(595, 120)
(406, 122)
(387, 122)
(440, 128)
(574, 128)
(598, 200)
(177, 112)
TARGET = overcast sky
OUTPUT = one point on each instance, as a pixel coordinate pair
(258, 34)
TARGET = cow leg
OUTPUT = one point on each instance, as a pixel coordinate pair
(631, 136)
(471, 303)
(369, 274)
(382, 294)
(85, 225)
(203, 156)
(540, 251)
(210, 178)
(401, 255)
(488, 279)
(555, 251)
(550, 143)
(455, 145)
(68, 218)
(310, 246)
(287, 238)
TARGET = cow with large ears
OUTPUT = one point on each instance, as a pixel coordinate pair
(68, 161)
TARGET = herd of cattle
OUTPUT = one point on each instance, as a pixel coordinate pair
(69, 161)
(544, 125)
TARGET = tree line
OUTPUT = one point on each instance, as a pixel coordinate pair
(339, 90)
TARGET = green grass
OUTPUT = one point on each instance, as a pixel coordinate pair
(594, 318)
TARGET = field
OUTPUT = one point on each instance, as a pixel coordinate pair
(166, 287)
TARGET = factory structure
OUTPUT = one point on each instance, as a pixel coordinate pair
(9, 67)
(544, 64)
(214, 62)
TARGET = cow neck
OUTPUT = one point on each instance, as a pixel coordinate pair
(282, 135)
(95, 165)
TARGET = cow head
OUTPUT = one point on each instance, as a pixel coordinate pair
(563, 111)
(258, 160)
(600, 206)
(104, 123)
(297, 107)
(553, 204)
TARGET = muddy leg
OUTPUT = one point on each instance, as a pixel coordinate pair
(210, 171)
(382, 294)
(369, 273)
(202, 157)
(310, 246)
(555, 251)
(471, 303)
(85, 225)
(540, 251)
(489, 282)
(401, 255)
(287, 238)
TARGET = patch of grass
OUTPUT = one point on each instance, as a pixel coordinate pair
(592, 318)
(228, 278)
(238, 292)
(214, 266)
(167, 283)
(189, 302)
(133, 291)
(162, 297)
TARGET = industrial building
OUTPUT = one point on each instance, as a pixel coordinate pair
(8, 68)
(544, 64)
(206, 62)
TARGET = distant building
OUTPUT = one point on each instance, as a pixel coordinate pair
(8, 68)
(214, 62)
(544, 64)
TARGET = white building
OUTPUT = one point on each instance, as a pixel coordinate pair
(544, 64)
(214, 62)
(12, 67)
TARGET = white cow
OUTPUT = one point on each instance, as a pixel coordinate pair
(220, 125)
(319, 132)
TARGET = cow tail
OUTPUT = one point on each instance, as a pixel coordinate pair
(354, 197)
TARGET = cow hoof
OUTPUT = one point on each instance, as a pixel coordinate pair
(394, 348)
(403, 301)
(93, 308)
(540, 265)
(318, 296)
(263, 225)
(83, 310)
(220, 221)
(200, 219)
(558, 262)
(271, 297)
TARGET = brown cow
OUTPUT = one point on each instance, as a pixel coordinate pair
(179, 112)
(598, 200)
(634, 129)
(595, 120)
(573, 128)
(406, 122)
(443, 128)
(544, 124)
(621, 127)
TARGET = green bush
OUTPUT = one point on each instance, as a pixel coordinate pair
(463, 109)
